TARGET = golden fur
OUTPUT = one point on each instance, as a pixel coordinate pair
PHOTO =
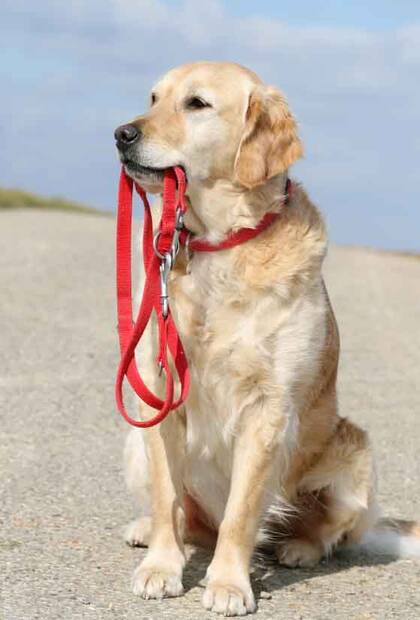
(259, 449)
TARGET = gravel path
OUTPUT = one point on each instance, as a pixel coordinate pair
(63, 498)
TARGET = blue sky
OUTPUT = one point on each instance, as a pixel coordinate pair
(372, 14)
(71, 72)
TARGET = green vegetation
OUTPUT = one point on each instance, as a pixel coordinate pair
(16, 198)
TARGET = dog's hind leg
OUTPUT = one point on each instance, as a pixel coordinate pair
(335, 501)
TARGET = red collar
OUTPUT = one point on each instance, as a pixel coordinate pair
(159, 255)
(234, 238)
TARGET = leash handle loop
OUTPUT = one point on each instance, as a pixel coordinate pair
(155, 297)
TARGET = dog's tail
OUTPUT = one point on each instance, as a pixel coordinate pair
(394, 537)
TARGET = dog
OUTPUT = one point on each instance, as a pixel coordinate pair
(258, 454)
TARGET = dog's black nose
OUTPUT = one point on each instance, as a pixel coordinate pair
(126, 135)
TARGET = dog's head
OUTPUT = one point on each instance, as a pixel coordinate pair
(217, 121)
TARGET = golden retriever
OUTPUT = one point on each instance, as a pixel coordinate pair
(259, 451)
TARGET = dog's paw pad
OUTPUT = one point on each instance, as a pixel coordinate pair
(137, 532)
(228, 600)
(156, 583)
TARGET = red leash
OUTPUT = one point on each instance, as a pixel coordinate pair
(159, 254)
(156, 274)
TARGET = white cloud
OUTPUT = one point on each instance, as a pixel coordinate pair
(409, 40)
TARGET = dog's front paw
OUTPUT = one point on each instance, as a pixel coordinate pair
(229, 599)
(156, 582)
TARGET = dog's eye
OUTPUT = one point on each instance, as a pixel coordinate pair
(196, 103)
(153, 99)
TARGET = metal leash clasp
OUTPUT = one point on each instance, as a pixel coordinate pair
(167, 260)
(179, 225)
(164, 269)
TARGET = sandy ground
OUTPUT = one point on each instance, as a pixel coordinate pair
(63, 499)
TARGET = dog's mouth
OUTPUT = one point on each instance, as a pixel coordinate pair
(150, 177)
(133, 168)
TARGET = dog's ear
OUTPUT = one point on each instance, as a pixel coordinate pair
(270, 143)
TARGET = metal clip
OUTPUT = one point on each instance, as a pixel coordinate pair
(155, 245)
(179, 225)
(165, 268)
(179, 219)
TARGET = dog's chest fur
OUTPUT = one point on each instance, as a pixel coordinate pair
(234, 337)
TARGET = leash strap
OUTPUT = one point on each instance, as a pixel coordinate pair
(158, 256)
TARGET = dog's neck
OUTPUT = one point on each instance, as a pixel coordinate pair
(219, 207)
